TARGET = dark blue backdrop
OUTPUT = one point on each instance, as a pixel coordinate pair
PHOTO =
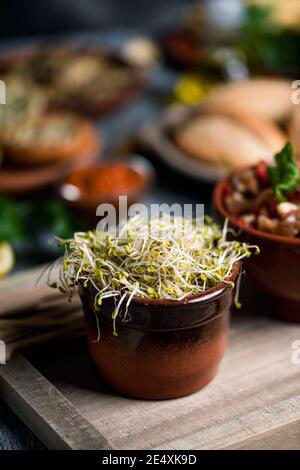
(19, 17)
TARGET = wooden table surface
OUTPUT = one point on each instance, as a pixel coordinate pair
(254, 402)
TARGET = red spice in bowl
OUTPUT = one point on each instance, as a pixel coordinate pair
(85, 189)
(105, 180)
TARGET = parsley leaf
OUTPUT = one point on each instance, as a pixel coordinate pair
(285, 174)
(11, 221)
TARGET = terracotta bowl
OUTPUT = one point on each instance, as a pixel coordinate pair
(84, 205)
(165, 349)
(276, 270)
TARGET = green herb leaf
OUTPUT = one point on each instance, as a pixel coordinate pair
(11, 221)
(285, 174)
(268, 45)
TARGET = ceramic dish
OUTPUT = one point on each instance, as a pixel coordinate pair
(51, 138)
(17, 180)
(167, 349)
(276, 270)
(155, 138)
(50, 68)
(72, 194)
(159, 139)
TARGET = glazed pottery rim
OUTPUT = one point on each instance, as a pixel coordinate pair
(219, 205)
(205, 296)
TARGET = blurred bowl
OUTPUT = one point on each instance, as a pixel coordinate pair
(276, 270)
(16, 180)
(22, 58)
(182, 49)
(166, 348)
(82, 202)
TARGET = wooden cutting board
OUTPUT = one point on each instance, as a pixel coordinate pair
(253, 403)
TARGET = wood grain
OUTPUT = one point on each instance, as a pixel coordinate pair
(36, 314)
(46, 411)
(254, 402)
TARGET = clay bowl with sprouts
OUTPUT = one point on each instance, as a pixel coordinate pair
(156, 301)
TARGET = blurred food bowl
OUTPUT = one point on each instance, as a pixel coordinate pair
(85, 189)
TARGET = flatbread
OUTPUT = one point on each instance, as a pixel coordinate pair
(294, 129)
(231, 140)
(268, 97)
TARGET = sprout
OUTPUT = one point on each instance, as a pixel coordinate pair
(161, 258)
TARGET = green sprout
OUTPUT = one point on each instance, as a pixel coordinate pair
(164, 258)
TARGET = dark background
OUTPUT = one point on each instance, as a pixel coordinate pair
(31, 17)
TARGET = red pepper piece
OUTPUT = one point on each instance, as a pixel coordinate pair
(262, 173)
(272, 207)
(228, 190)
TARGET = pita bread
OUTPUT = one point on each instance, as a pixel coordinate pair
(294, 129)
(231, 140)
(271, 98)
